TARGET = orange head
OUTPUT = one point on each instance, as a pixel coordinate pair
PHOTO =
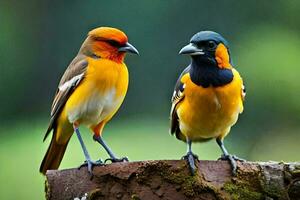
(109, 43)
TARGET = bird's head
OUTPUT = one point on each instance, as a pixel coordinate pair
(208, 47)
(109, 43)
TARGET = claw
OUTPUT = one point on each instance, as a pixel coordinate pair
(190, 158)
(90, 165)
(114, 160)
(238, 159)
(232, 159)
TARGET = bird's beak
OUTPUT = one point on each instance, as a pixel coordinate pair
(192, 50)
(128, 48)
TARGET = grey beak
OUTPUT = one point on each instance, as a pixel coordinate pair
(191, 49)
(128, 48)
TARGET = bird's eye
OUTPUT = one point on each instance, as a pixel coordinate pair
(113, 43)
(211, 44)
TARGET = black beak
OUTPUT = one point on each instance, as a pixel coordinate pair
(128, 48)
(192, 50)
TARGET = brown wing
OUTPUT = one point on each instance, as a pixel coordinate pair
(71, 78)
(178, 96)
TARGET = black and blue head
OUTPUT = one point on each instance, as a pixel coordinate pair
(208, 47)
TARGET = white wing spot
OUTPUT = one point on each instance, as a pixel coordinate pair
(243, 91)
(70, 83)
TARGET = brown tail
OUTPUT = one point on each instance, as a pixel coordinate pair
(53, 156)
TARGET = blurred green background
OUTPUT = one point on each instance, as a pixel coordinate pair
(38, 39)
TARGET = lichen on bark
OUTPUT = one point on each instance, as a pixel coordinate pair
(171, 179)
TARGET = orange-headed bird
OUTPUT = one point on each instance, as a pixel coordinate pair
(90, 92)
(208, 95)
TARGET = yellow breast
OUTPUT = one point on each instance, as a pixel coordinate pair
(100, 93)
(209, 112)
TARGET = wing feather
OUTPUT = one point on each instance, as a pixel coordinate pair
(69, 81)
(177, 97)
(243, 92)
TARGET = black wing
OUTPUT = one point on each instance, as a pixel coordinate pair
(178, 96)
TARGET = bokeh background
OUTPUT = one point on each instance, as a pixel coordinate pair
(38, 39)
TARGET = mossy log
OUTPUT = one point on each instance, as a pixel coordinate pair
(170, 179)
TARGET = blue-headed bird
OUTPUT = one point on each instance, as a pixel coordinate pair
(208, 95)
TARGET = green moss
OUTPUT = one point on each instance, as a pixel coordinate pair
(272, 189)
(296, 172)
(190, 185)
(135, 197)
(94, 194)
(238, 191)
(297, 167)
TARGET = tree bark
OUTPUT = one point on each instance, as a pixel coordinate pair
(170, 179)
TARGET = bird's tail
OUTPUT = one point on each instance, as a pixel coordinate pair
(54, 155)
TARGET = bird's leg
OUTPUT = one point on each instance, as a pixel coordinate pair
(88, 162)
(226, 156)
(190, 157)
(112, 156)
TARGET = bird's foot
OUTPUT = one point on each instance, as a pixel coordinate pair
(114, 160)
(223, 157)
(190, 158)
(91, 164)
(232, 159)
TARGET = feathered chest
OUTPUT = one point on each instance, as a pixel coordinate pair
(100, 93)
(205, 75)
(104, 75)
(222, 100)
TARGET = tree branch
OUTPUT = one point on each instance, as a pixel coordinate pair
(170, 179)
